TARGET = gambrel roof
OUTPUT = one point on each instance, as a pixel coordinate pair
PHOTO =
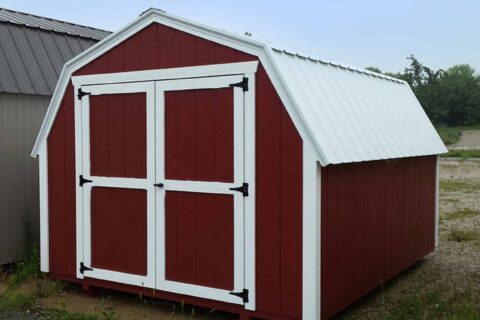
(345, 114)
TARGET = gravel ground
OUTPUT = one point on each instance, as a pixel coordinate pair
(470, 139)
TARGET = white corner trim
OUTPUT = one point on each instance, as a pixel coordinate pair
(44, 235)
(311, 235)
(231, 40)
(437, 183)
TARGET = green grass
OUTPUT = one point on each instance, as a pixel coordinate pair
(11, 301)
(449, 135)
(462, 214)
(459, 235)
(433, 306)
(26, 268)
(456, 185)
(464, 154)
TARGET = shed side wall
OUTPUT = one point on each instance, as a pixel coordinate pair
(20, 118)
(377, 219)
(278, 165)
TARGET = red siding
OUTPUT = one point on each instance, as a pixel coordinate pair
(118, 135)
(61, 194)
(199, 135)
(278, 166)
(119, 230)
(377, 219)
(199, 239)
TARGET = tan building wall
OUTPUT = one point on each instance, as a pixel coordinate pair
(21, 116)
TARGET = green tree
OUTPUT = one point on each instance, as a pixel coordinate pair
(450, 97)
(460, 94)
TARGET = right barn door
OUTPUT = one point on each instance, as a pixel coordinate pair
(201, 187)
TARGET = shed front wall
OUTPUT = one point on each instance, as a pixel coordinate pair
(378, 218)
(278, 168)
(20, 119)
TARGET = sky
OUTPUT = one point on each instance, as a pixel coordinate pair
(380, 33)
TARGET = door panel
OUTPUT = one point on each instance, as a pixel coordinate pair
(118, 170)
(199, 239)
(199, 135)
(119, 230)
(200, 157)
(118, 135)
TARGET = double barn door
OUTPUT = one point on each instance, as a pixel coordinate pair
(162, 185)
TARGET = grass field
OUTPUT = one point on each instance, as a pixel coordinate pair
(445, 285)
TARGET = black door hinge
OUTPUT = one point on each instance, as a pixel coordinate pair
(83, 180)
(83, 268)
(243, 294)
(242, 84)
(243, 189)
(82, 93)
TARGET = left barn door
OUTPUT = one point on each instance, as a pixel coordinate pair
(116, 182)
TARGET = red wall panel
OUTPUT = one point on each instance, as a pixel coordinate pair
(118, 135)
(119, 229)
(278, 165)
(377, 219)
(199, 135)
(199, 239)
(61, 194)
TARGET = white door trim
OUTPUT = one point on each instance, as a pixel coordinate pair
(82, 125)
(214, 70)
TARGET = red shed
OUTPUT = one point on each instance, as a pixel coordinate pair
(191, 164)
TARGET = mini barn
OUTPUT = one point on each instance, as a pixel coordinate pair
(191, 164)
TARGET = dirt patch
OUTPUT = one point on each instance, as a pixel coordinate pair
(124, 306)
(470, 139)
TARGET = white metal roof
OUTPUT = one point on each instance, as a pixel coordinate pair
(346, 114)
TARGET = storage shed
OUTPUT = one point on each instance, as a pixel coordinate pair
(191, 164)
(33, 51)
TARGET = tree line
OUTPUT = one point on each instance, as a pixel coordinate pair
(450, 97)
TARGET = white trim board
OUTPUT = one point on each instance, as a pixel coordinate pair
(311, 255)
(44, 233)
(437, 219)
(238, 68)
(240, 43)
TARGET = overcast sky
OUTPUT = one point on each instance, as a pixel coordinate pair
(364, 33)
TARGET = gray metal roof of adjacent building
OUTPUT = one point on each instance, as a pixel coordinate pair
(34, 49)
